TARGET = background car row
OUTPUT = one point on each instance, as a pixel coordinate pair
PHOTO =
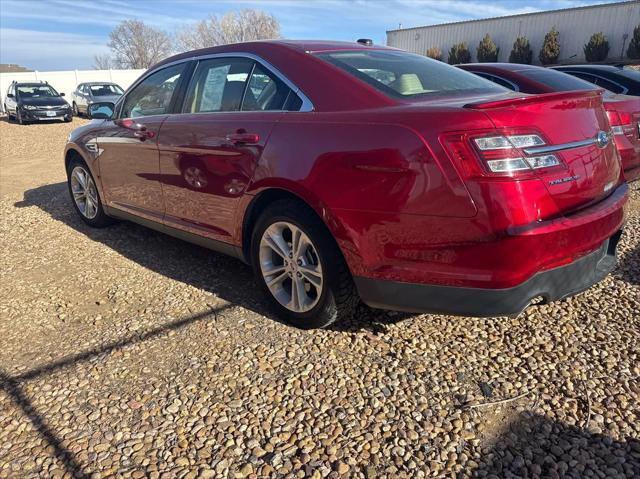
(623, 110)
(38, 101)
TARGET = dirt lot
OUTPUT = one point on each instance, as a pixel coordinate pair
(126, 353)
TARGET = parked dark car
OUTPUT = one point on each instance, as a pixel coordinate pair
(342, 171)
(615, 79)
(27, 102)
(87, 93)
(623, 110)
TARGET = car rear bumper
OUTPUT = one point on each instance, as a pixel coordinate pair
(543, 287)
(547, 259)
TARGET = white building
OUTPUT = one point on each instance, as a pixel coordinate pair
(576, 25)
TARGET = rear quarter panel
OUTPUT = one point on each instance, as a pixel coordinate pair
(362, 178)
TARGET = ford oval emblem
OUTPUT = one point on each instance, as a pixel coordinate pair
(602, 139)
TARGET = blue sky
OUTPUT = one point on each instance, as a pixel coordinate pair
(66, 34)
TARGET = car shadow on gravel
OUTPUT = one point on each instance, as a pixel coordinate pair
(12, 384)
(226, 277)
(628, 269)
(533, 445)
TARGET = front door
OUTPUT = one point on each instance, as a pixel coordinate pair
(209, 152)
(128, 146)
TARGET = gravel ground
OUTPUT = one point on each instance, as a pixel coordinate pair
(126, 353)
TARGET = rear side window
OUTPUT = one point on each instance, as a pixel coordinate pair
(556, 80)
(153, 95)
(406, 75)
(265, 92)
(234, 84)
(218, 85)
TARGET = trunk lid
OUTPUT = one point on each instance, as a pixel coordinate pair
(575, 128)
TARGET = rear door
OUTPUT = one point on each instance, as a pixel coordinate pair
(209, 152)
(129, 159)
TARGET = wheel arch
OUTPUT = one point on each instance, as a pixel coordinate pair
(73, 151)
(268, 196)
(70, 155)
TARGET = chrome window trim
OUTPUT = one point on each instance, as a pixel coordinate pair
(307, 104)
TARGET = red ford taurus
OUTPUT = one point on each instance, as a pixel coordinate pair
(344, 171)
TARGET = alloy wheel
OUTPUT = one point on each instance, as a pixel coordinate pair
(291, 267)
(84, 192)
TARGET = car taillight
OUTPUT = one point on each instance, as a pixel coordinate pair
(621, 123)
(499, 155)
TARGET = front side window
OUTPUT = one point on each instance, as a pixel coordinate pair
(153, 95)
(36, 91)
(406, 75)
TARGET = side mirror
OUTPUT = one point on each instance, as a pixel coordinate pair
(101, 110)
(61, 94)
(11, 95)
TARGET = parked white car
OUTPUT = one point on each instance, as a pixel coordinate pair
(91, 92)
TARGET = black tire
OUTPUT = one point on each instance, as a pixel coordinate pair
(100, 220)
(6, 110)
(339, 299)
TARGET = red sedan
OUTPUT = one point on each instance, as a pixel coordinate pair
(623, 110)
(342, 171)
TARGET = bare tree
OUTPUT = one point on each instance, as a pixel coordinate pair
(233, 27)
(137, 45)
(103, 62)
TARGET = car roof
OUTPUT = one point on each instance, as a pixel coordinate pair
(513, 67)
(299, 46)
(98, 83)
(31, 84)
(602, 68)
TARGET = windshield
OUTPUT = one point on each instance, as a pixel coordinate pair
(558, 81)
(105, 90)
(407, 75)
(36, 91)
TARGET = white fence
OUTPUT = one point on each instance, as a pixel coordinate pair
(66, 81)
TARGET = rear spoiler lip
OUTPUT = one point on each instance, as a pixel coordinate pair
(532, 99)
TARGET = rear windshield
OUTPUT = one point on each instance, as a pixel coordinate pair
(629, 73)
(407, 75)
(558, 81)
(36, 91)
(105, 90)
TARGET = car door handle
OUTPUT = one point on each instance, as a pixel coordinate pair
(243, 138)
(139, 130)
(143, 134)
